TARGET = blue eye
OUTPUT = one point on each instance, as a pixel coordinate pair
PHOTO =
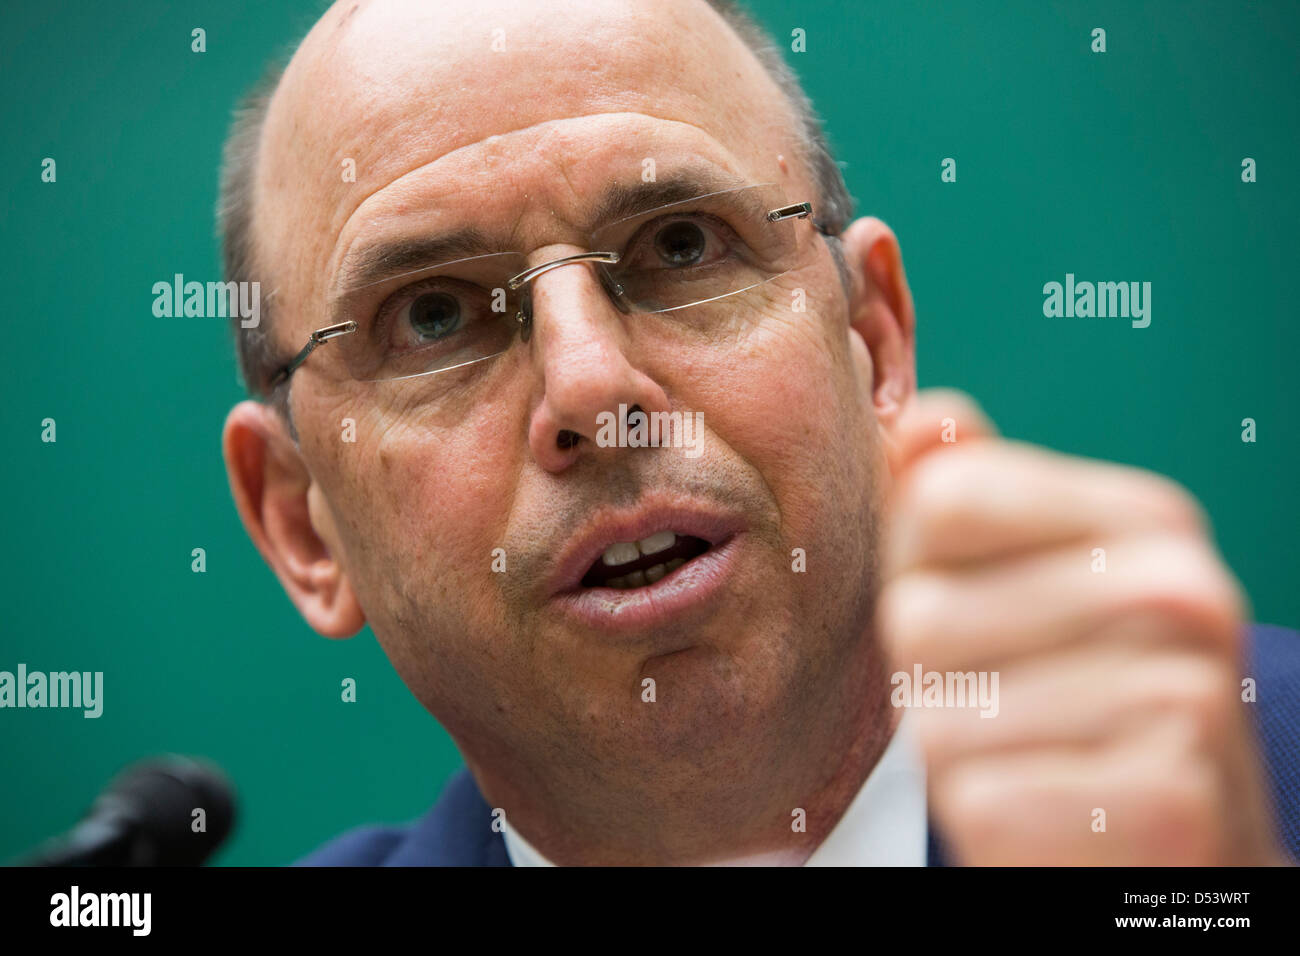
(435, 315)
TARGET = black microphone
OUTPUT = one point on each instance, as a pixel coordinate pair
(146, 817)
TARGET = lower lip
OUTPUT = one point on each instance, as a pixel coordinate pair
(618, 609)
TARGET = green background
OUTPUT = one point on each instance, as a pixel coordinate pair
(1116, 166)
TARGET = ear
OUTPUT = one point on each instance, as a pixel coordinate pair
(881, 315)
(284, 514)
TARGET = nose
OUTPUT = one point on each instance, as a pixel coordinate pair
(584, 367)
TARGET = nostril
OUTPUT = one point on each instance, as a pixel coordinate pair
(566, 439)
(632, 411)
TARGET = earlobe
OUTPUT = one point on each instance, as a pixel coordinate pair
(882, 315)
(287, 518)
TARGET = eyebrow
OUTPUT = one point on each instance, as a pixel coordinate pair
(394, 258)
(622, 200)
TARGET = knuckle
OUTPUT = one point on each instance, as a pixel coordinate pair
(1205, 690)
(940, 491)
(1171, 504)
(1187, 584)
(1200, 707)
(936, 737)
(911, 616)
(971, 802)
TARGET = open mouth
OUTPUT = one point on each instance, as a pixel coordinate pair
(636, 564)
(634, 572)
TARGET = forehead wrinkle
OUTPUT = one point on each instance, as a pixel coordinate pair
(391, 257)
(340, 254)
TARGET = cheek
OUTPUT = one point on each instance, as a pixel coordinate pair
(423, 503)
(787, 400)
(448, 488)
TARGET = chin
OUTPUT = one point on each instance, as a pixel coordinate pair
(706, 702)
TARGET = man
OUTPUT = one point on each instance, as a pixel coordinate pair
(503, 239)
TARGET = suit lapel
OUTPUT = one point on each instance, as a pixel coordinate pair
(456, 832)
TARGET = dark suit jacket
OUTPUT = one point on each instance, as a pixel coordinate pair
(457, 831)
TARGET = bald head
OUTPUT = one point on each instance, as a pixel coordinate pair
(412, 95)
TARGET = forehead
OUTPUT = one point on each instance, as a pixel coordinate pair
(504, 108)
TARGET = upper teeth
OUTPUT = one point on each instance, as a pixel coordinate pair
(621, 552)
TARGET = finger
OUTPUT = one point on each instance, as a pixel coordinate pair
(935, 418)
(1143, 801)
(1087, 696)
(986, 615)
(994, 499)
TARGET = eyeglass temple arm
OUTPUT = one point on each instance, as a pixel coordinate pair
(319, 337)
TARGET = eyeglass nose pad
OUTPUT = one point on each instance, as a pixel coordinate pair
(617, 294)
(524, 316)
